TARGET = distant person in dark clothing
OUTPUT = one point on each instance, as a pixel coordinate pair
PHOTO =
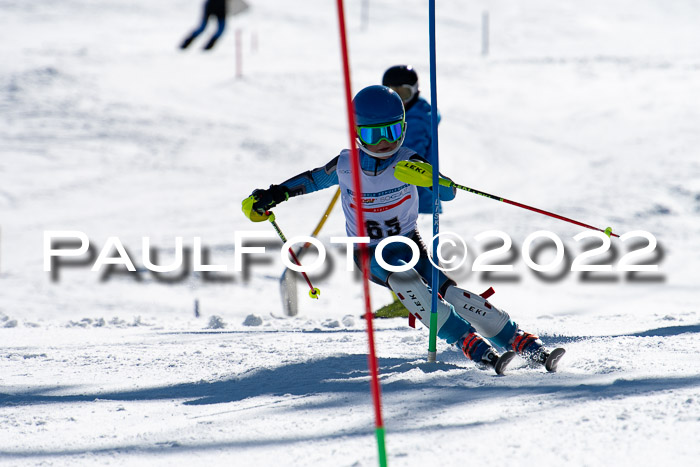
(211, 8)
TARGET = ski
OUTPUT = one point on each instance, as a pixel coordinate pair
(503, 361)
(553, 358)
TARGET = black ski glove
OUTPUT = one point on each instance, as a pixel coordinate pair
(268, 199)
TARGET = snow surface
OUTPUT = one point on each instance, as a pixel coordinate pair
(588, 109)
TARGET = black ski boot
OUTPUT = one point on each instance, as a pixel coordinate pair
(531, 348)
(186, 43)
(473, 344)
(211, 43)
(498, 363)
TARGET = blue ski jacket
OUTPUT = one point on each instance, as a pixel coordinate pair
(326, 176)
(419, 137)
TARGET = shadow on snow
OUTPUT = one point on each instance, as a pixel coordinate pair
(340, 381)
(344, 379)
(349, 375)
(553, 340)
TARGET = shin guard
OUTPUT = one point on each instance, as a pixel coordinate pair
(416, 296)
(488, 320)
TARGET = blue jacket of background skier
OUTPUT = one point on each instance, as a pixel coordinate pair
(419, 138)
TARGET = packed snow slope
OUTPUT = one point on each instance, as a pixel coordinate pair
(107, 128)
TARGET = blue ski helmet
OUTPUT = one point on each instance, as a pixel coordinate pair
(375, 106)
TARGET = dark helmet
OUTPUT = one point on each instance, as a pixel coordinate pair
(403, 79)
(400, 74)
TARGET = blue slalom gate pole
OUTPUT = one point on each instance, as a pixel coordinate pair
(434, 159)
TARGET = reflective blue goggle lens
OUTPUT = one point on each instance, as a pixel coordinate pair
(374, 134)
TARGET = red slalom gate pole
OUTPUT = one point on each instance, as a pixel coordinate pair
(364, 252)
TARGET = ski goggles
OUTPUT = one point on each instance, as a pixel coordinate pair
(406, 91)
(374, 134)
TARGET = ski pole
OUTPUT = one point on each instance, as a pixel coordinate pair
(314, 292)
(288, 282)
(319, 226)
(420, 174)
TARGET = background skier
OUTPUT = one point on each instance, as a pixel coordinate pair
(211, 8)
(419, 136)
